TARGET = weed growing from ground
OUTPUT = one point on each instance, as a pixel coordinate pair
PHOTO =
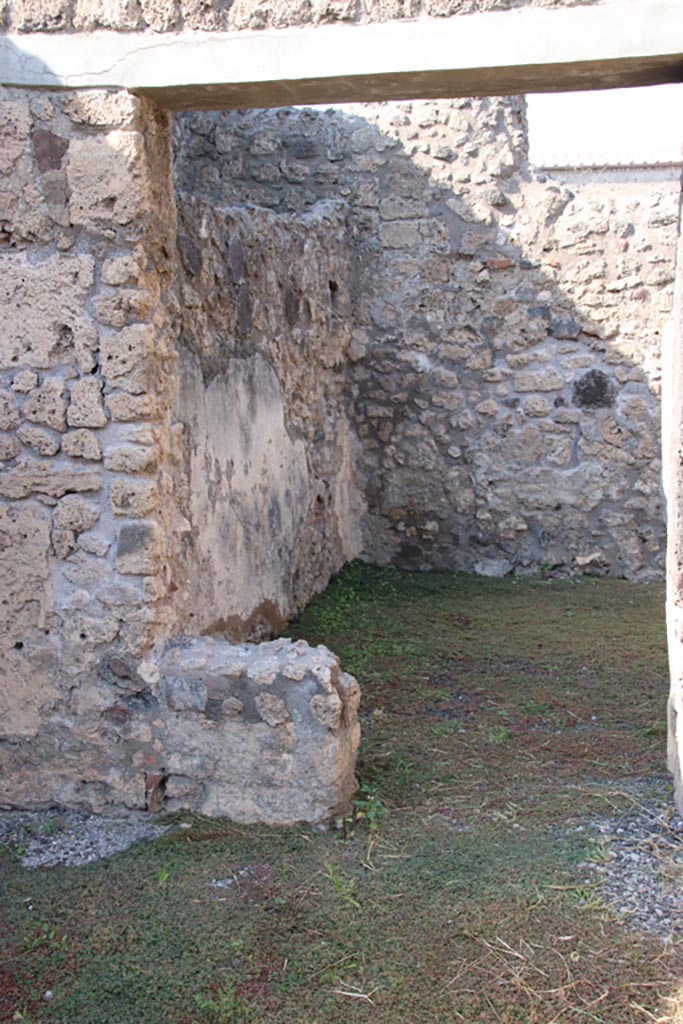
(343, 885)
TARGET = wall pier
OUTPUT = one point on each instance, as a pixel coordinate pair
(673, 461)
(92, 574)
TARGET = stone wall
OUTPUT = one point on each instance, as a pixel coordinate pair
(228, 15)
(97, 576)
(268, 482)
(506, 327)
(84, 365)
(673, 461)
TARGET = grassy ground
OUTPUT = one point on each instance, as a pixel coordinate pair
(498, 715)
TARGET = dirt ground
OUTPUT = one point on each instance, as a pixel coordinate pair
(513, 854)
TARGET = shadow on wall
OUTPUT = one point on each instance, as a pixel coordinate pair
(504, 364)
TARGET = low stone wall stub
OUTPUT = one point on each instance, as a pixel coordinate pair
(256, 732)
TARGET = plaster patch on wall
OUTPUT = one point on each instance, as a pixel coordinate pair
(248, 486)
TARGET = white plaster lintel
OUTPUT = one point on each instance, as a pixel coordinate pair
(620, 42)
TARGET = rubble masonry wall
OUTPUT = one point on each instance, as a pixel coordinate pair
(505, 369)
(154, 16)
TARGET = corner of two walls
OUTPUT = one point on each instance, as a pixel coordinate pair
(121, 527)
(174, 426)
(505, 364)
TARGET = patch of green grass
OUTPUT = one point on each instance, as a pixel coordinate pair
(494, 713)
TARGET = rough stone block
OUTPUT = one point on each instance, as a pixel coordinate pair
(77, 514)
(24, 381)
(126, 408)
(400, 234)
(32, 477)
(100, 108)
(50, 296)
(123, 357)
(120, 270)
(134, 498)
(28, 687)
(104, 179)
(539, 380)
(9, 447)
(278, 739)
(82, 444)
(184, 694)
(47, 405)
(139, 548)
(85, 408)
(131, 458)
(9, 414)
(15, 125)
(42, 442)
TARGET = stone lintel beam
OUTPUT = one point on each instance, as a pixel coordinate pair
(606, 45)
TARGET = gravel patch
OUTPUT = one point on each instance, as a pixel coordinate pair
(640, 868)
(47, 838)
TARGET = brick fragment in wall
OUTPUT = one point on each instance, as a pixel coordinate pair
(49, 150)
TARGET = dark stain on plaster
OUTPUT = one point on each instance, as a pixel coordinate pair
(292, 304)
(243, 317)
(236, 258)
(49, 150)
(133, 537)
(265, 621)
(594, 390)
(190, 255)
